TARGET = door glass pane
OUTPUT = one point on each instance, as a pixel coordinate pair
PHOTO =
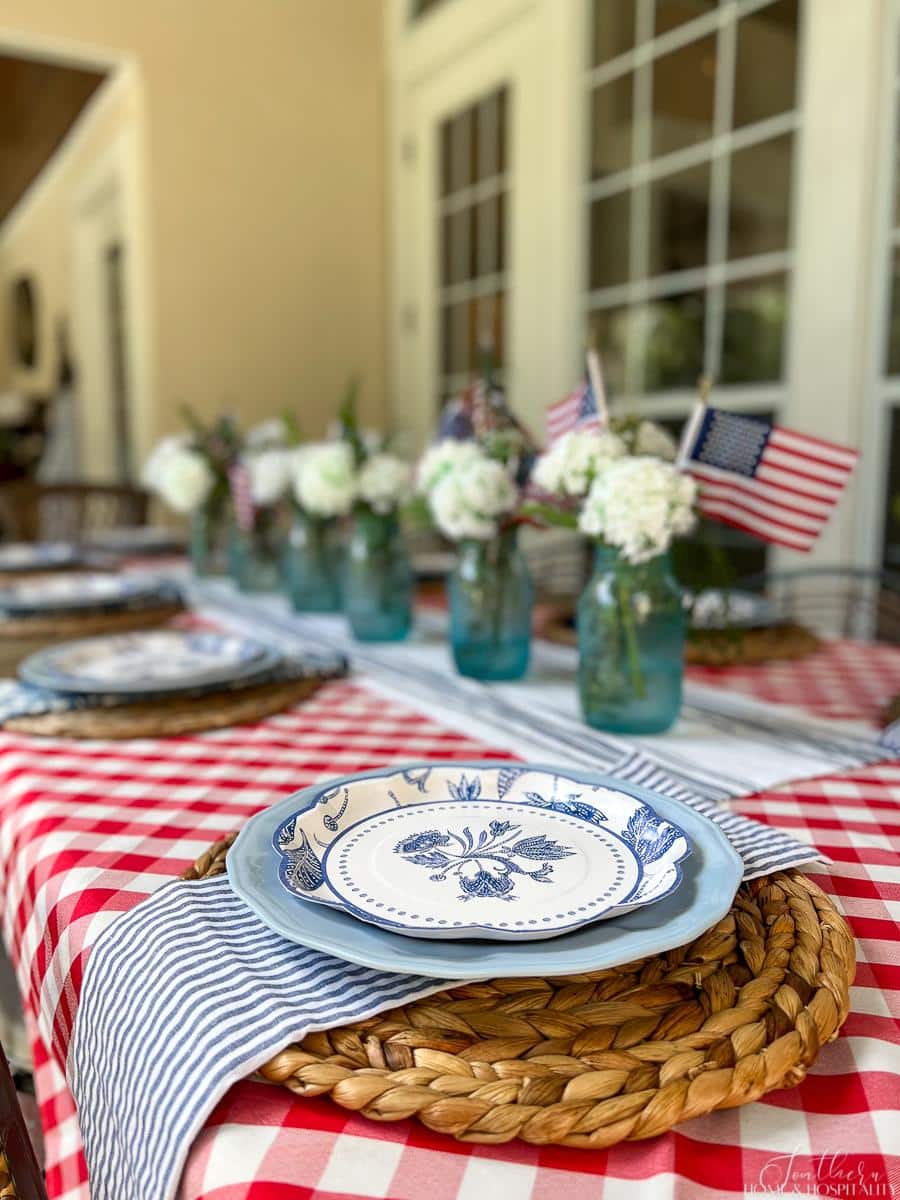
(760, 201)
(672, 13)
(753, 341)
(673, 341)
(610, 222)
(457, 140)
(767, 36)
(892, 364)
(613, 29)
(683, 96)
(679, 220)
(612, 123)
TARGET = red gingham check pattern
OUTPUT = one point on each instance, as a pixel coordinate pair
(844, 679)
(89, 829)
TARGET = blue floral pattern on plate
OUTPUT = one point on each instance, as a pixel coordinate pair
(486, 865)
(479, 868)
(659, 845)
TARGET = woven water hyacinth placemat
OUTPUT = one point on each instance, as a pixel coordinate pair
(591, 1060)
(74, 625)
(785, 642)
(172, 716)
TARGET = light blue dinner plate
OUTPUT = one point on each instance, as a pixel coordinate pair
(146, 663)
(710, 878)
(77, 590)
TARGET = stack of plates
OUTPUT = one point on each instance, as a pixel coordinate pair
(37, 556)
(467, 870)
(149, 664)
(82, 592)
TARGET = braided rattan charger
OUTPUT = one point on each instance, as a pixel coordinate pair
(720, 648)
(74, 625)
(591, 1060)
(172, 717)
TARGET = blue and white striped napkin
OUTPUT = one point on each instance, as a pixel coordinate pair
(189, 992)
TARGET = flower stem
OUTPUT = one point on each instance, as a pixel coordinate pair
(626, 613)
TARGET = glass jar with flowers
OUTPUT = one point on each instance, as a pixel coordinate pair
(258, 483)
(324, 488)
(189, 472)
(472, 499)
(630, 617)
(378, 579)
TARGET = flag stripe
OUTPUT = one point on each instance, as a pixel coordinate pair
(759, 506)
(740, 512)
(815, 445)
(789, 497)
(805, 485)
(801, 465)
(759, 528)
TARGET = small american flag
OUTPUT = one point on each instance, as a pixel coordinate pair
(774, 483)
(242, 497)
(583, 409)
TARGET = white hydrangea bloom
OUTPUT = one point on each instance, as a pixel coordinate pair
(384, 482)
(154, 465)
(651, 439)
(269, 472)
(183, 479)
(638, 505)
(267, 435)
(442, 458)
(467, 501)
(325, 478)
(574, 460)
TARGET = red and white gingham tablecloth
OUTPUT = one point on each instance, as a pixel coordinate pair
(89, 829)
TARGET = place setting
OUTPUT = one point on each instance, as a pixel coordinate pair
(549, 949)
(157, 682)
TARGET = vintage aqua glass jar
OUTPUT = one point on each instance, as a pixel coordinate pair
(631, 633)
(491, 601)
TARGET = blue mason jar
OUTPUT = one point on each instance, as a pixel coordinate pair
(631, 633)
(491, 599)
(255, 554)
(208, 538)
(311, 566)
(378, 579)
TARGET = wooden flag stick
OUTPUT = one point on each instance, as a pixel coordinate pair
(692, 425)
(595, 375)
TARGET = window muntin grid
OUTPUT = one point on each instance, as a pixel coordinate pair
(692, 131)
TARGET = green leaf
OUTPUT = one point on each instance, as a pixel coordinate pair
(549, 514)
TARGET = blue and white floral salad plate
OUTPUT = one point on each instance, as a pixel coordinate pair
(37, 556)
(710, 876)
(307, 837)
(75, 590)
(148, 663)
(479, 868)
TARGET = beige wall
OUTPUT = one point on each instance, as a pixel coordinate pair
(37, 240)
(263, 139)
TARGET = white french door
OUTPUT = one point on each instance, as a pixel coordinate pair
(474, 245)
